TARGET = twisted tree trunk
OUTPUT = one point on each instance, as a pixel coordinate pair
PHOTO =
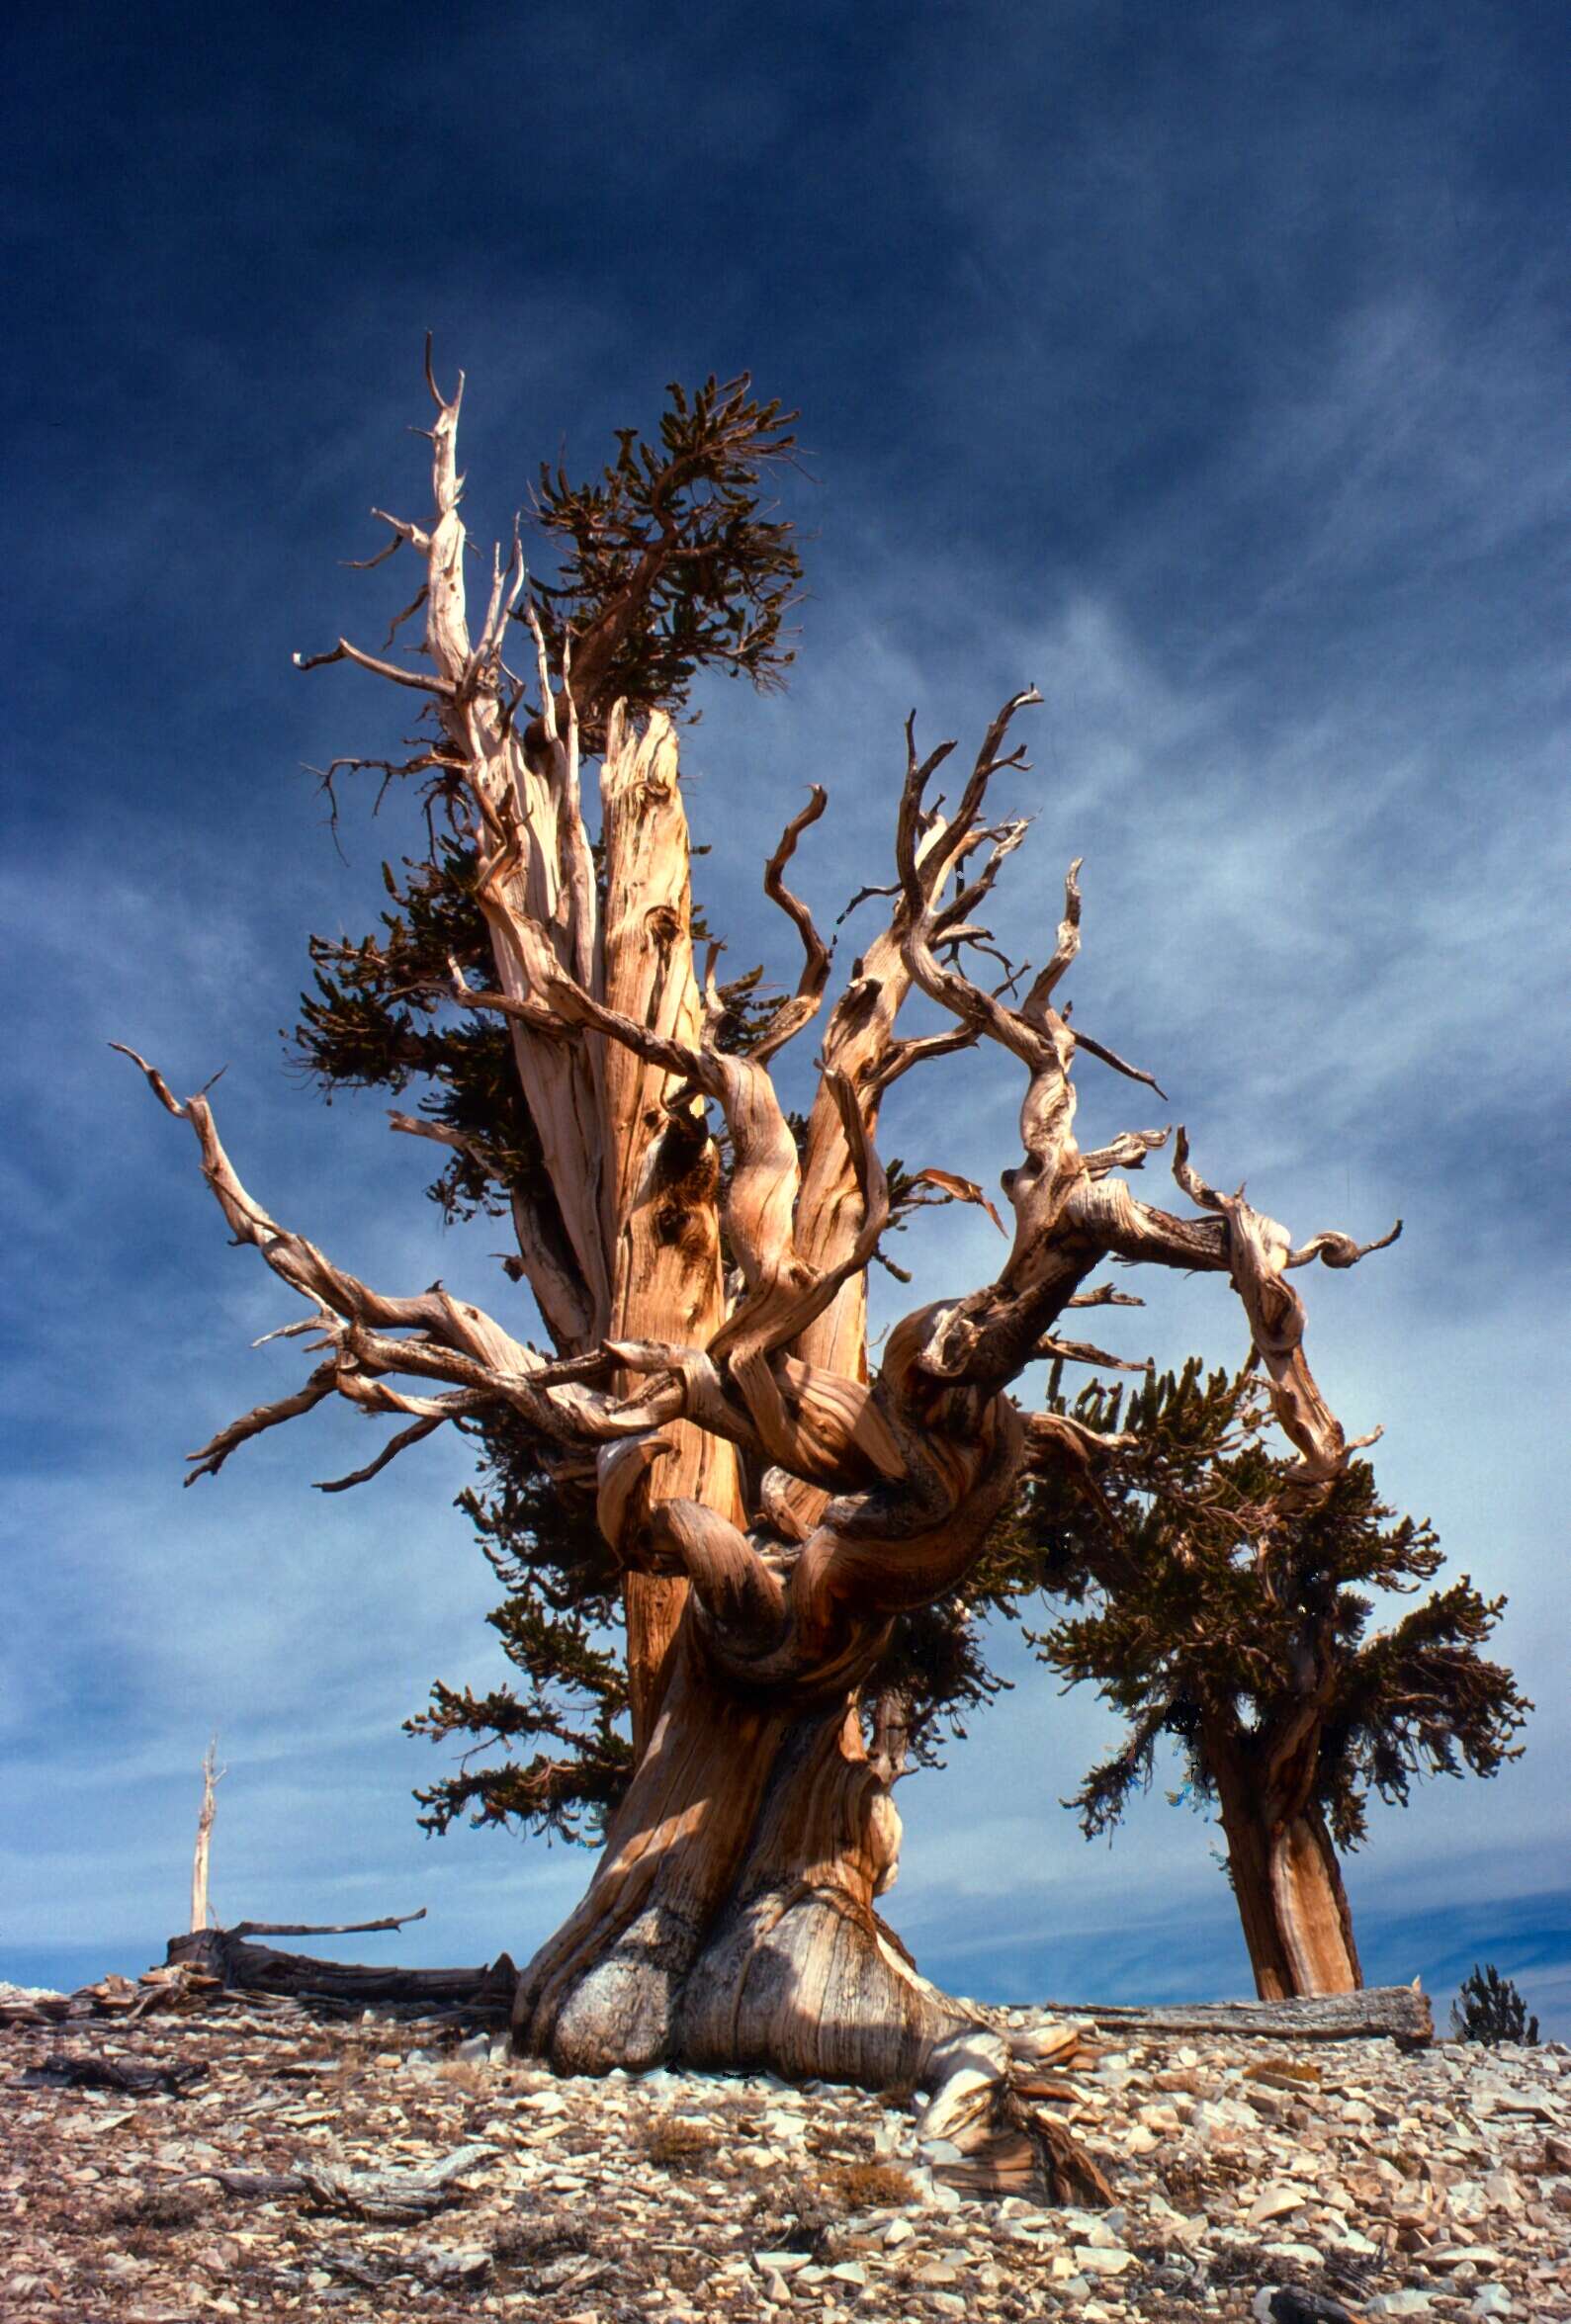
(732, 1921)
(773, 1506)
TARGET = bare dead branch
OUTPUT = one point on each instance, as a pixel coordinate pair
(1081, 1351)
(1257, 1252)
(1110, 1057)
(957, 1189)
(423, 682)
(323, 1928)
(901, 1056)
(793, 1015)
(1339, 1251)
(1126, 1153)
(211, 1457)
(373, 1467)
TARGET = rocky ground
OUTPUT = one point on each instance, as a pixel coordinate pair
(376, 2165)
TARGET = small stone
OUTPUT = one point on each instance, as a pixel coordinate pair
(1096, 2260)
(1355, 2245)
(898, 2231)
(1284, 2303)
(1449, 2256)
(1277, 2200)
(1107, 2232)
(1493, 2299)
(1294, 2255)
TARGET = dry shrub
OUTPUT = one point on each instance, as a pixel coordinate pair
(897, 2096)
(550, 2235)
(674, 2145)
(161, 2210)
(466, 2074)
(872, 2187)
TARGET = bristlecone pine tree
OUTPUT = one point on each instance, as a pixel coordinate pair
(767, 1514)
(1225, 1610)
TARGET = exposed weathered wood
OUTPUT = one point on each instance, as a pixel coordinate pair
(661, 1175)
(323, 1928)
(1400, 2010)
(989, 2103)
(390, 2197)
(211, 1774)
(245, 1967)
(1285, 1878)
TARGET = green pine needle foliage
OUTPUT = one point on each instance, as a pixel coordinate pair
(1218, 1598)
(1492, 2011)
(565, 1759)
(669, 561)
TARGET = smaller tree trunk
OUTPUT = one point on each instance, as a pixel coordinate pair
(1291, 1902)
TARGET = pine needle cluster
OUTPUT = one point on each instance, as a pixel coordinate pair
(1223, 1605)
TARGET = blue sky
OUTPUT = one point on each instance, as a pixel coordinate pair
(1203, 366)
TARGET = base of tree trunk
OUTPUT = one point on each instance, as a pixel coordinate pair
(730, 1922)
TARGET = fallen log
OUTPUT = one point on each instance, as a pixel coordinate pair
(84, 2073)
(244, 1967)
(1401, 2011)
(391, 2196)
(382, 2196)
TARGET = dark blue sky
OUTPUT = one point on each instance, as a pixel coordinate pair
(1205, 365)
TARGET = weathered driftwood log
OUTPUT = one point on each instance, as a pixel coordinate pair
(1400, 2010)
(245, 1967)
(384, 2196)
